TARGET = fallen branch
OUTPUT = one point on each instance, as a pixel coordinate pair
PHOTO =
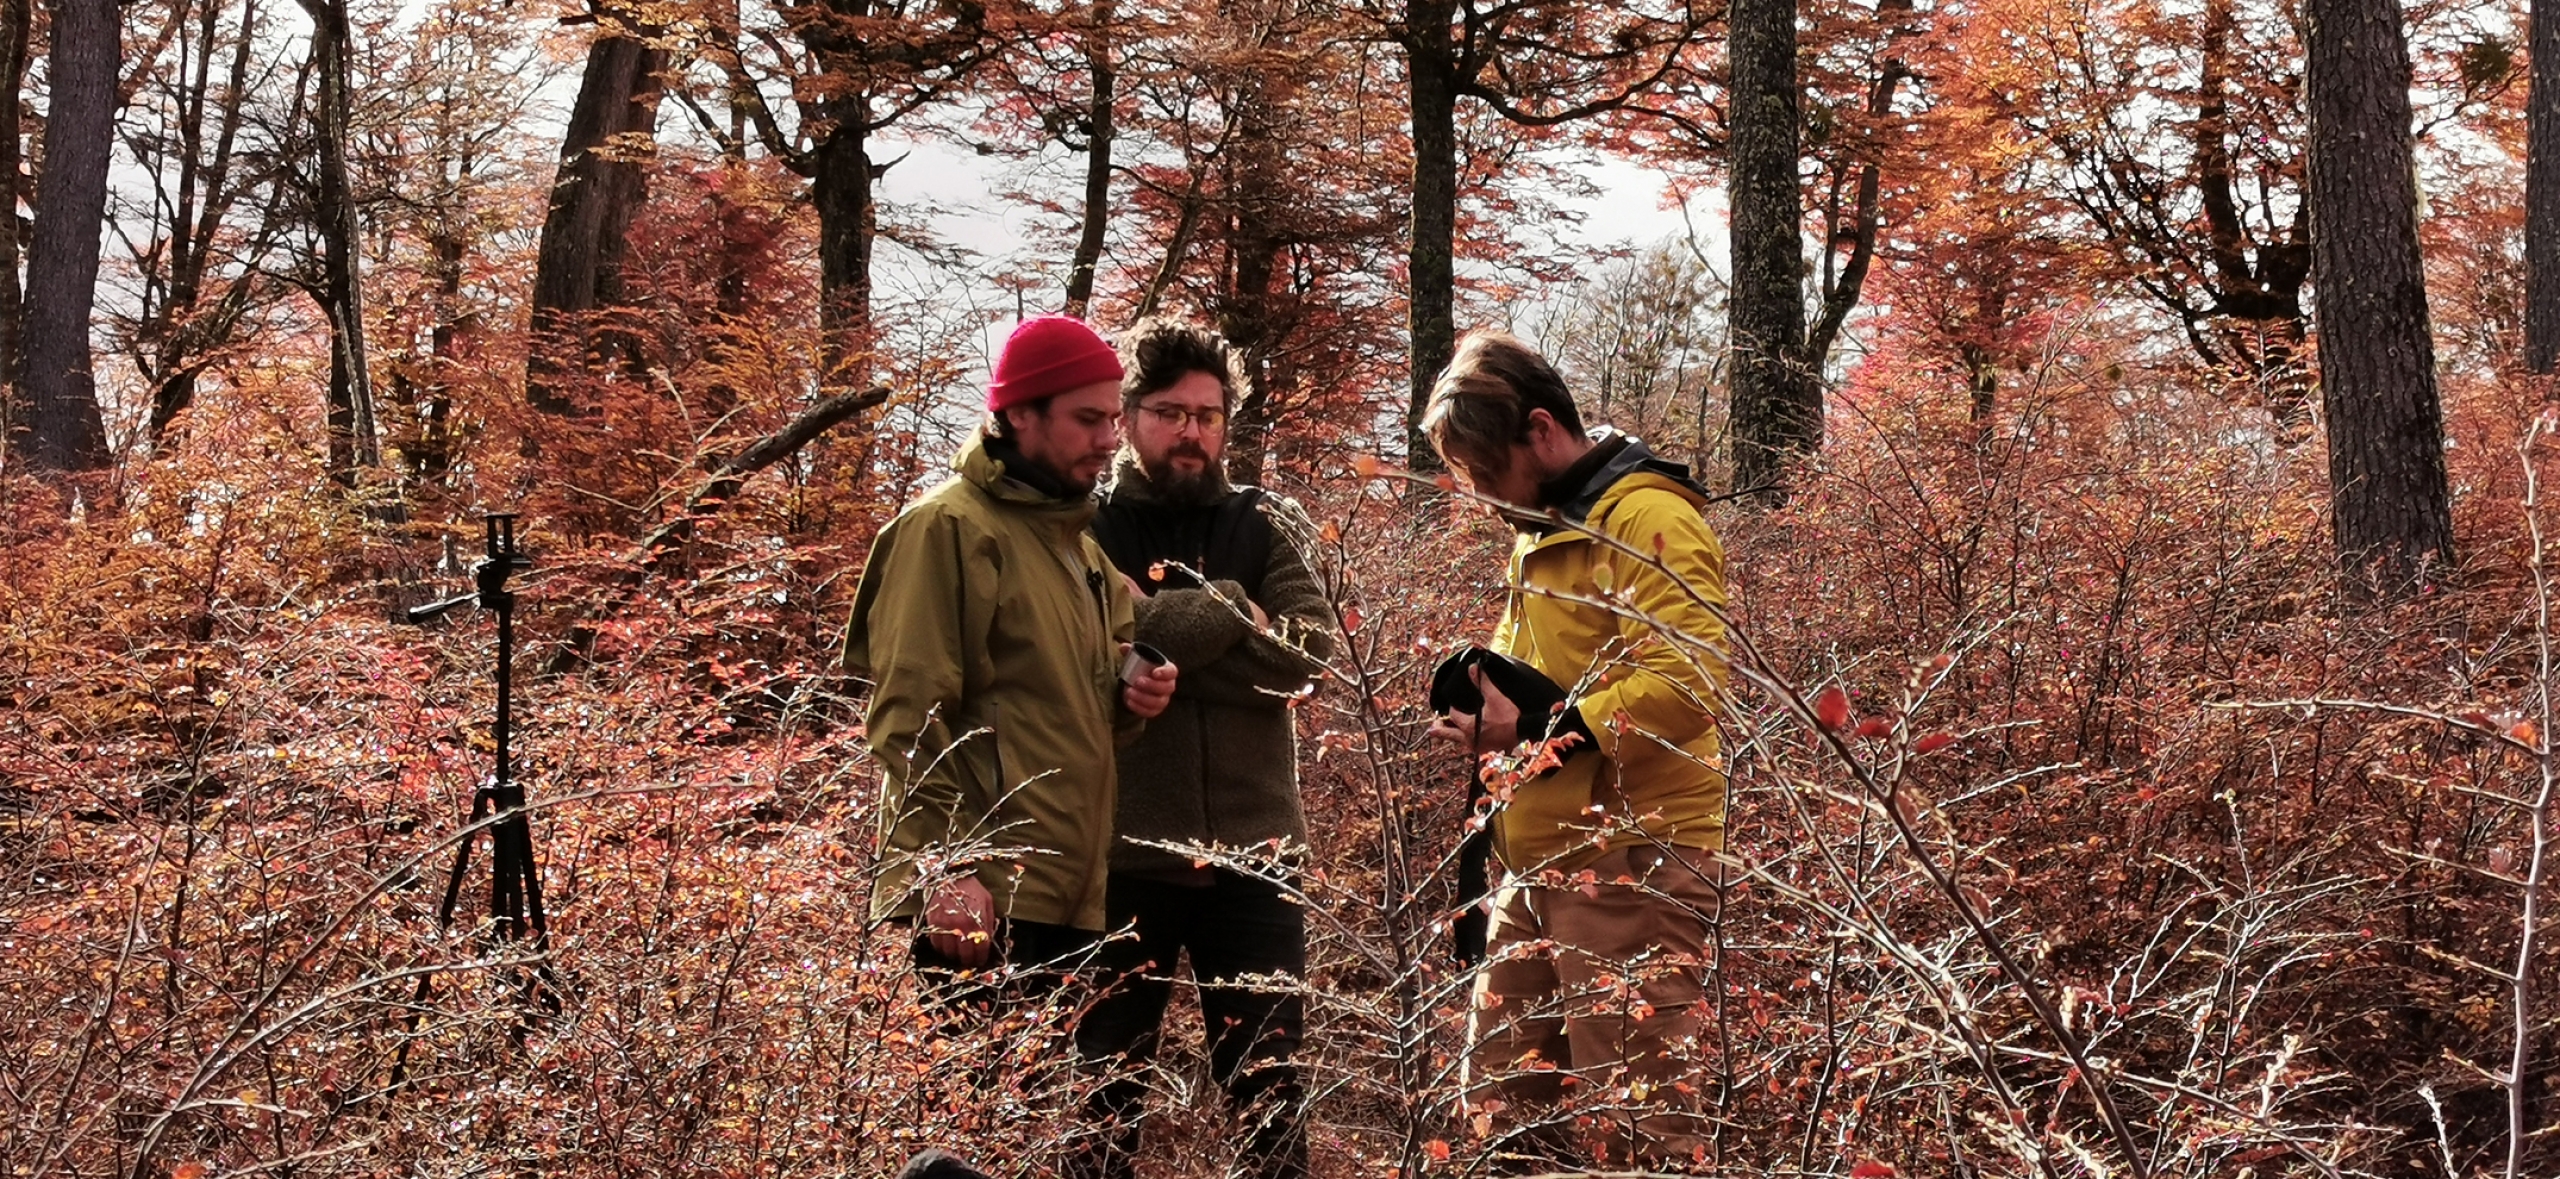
(733, 474)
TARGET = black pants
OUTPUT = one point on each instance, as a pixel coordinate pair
(1234, 927)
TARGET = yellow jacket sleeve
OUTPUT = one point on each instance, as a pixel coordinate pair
(1663, 678)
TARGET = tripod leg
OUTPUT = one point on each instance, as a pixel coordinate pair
(444, 921)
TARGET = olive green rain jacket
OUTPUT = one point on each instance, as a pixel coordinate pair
(989, 625)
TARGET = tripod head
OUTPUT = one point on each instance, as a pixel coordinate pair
(488, 575)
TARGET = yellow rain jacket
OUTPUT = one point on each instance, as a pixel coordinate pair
(1645, 674)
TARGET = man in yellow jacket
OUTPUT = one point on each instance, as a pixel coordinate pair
(1584, 1035)
(995, 634)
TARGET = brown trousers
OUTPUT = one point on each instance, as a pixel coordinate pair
(1589, 1028)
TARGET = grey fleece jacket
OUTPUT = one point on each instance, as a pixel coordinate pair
(1220, 767)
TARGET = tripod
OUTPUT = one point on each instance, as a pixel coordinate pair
(515, 884)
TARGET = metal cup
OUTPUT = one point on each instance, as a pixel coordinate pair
(1140, 660)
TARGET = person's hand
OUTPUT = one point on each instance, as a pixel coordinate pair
(1135, 590)
(1150, 693)
(1261, 621)
(1496, 727)
(960, 921)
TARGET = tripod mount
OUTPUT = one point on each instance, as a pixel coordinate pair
(515, 883)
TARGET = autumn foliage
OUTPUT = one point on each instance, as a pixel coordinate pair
(2080, 825)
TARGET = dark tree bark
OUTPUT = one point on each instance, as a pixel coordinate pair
(2392, 514)
(1186, 226)
(2542, 199)
(878, 62)
(64, 429)
(353, 440)
(2263, 293)
(1777, 403)
(1430, 266)
(1252, 314)
(840, 186)
(1097, 162)
(430, 454)
(601, 182)
(15, 17)
(1854, 223)
(1455, 49)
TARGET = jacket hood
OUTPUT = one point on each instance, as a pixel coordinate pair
(996, 467)
(1578, 495)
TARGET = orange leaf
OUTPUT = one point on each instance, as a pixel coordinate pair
(188, 1171)
(1365, 466)
(2523, 733)
(1438, 1149)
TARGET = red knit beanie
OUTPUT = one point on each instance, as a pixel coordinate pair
(1047, 355)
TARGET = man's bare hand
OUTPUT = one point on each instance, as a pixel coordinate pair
(1495, 728)
(1150, 693)
(1261, 620)
(960, 922)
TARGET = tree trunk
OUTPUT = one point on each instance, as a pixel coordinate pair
(444, 343)
(1430, 267)
(1097, 163)
(1841, 290)
(353, 441)
(1245, 320)
(840, 177)
(1256, 180)
(2542, 199)
(64, 430)
(840, 187)
(1777, 403)
(601, 182)
(15, 16)
(2392, 515)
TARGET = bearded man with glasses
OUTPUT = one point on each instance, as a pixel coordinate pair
(1222, 587)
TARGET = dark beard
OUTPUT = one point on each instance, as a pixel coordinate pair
(1190, 491)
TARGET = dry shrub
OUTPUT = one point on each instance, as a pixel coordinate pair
(230, 790)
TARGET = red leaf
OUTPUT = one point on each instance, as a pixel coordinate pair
(1871, 1169)
(1933, 743)
(1874, 726)
(1831, 709)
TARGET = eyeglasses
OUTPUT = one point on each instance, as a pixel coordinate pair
(1171, 417)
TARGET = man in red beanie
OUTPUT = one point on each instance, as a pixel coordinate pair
(997, 639)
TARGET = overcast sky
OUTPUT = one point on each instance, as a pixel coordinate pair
(1628, 210)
